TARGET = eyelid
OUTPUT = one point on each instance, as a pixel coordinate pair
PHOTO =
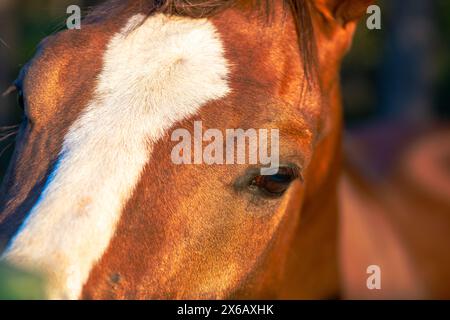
(243, 181)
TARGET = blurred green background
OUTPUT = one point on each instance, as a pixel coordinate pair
(19, 285)
(397, 77)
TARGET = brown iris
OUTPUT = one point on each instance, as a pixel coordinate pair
(274, 185)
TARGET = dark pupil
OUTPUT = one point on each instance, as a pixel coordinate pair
(20, 99)
(280, 178)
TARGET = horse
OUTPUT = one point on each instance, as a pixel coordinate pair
(92, 200)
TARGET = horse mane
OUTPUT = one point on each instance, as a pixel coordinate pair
(300, 10)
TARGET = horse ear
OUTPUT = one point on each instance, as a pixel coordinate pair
(342, 11)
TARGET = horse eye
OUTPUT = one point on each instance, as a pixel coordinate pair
(274, 185)
(20, 100)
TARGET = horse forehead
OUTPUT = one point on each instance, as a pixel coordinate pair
(68, 64)
(264, 56)
(71, 61)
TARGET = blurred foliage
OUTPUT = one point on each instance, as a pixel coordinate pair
(19, 285)
(365, 69)
(443, 55)
(360, 72)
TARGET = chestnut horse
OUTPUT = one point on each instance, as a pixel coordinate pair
(92, 199)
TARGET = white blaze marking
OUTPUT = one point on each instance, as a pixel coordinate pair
(154, 75)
